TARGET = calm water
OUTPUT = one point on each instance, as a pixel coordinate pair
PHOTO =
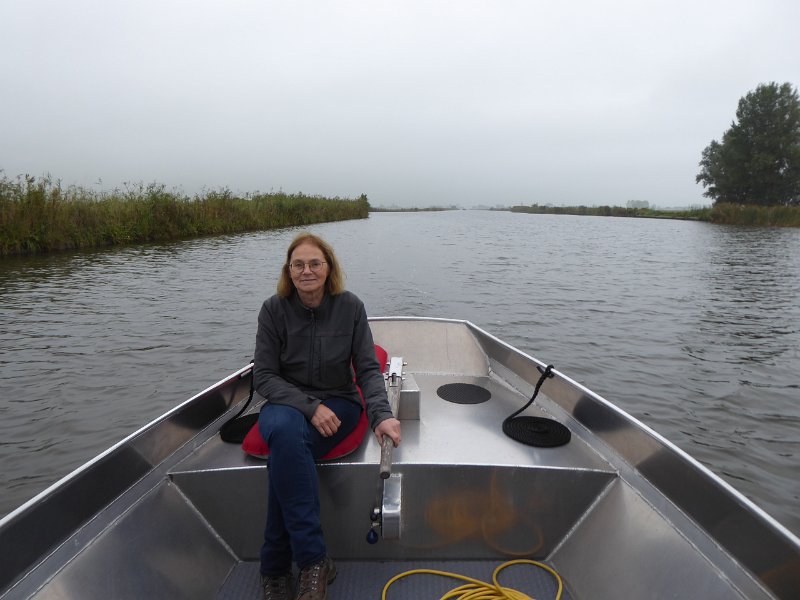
(693, 328)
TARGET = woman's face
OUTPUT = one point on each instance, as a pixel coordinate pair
(307, 281)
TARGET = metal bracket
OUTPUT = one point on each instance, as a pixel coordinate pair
(391, 507)
(395, 373)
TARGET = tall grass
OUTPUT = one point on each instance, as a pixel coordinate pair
(763, 216)
(723, 214)
(38, 215)
(615, 211)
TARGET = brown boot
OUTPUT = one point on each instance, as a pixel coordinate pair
(314, 580)
(277, 587)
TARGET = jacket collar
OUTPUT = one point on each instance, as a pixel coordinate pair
(301, 308)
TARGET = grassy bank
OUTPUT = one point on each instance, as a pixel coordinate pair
(763, 216)
(724, 214)
(699, 214)
(38, 215)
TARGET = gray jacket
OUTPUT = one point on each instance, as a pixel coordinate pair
(304, 355)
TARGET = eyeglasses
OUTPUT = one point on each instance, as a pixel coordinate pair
(298, 266)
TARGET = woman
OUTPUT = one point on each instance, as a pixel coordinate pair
(311, 335)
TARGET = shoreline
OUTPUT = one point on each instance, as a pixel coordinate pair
(38, 216)
(719, 214)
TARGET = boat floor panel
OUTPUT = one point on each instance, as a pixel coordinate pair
(364, 580)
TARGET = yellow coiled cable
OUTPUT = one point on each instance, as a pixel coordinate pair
(480, 590)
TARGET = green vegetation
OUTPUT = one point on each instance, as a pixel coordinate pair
(694, 214)
(430, 209)
(758, 160)
(38, 215)
(721, 213)
(764, 216)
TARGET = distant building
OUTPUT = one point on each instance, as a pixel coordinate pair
(638, 204)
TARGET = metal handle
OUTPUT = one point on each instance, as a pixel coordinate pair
(394, 379)
(386, 457)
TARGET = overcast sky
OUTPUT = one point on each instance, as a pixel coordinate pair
(414, 103)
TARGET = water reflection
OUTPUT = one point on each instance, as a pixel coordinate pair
(741, 396)
(749, 302)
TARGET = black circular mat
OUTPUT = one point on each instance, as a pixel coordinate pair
(537, 431)
(463, 393)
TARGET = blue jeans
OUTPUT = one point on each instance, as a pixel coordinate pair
(293, 529)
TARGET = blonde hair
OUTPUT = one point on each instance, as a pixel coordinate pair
(334, 284)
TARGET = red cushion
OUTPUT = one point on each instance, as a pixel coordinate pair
(254, 444)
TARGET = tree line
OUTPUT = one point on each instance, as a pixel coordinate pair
(757, 160)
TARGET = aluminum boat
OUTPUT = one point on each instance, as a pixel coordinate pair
(172, 511)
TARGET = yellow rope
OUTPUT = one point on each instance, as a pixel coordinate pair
(475, 589)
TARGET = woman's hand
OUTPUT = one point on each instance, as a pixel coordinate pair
(390, 427)
(325, 421)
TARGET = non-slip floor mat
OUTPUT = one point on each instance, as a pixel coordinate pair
(364, 580)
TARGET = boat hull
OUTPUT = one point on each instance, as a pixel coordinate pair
(172, 511)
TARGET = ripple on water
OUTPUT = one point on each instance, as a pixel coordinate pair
(690, 327)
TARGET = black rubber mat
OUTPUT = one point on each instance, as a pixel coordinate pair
(463, 393)
(364, 580)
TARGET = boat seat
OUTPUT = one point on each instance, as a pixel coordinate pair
(255, 445)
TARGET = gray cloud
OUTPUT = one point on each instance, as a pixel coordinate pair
(414, 103)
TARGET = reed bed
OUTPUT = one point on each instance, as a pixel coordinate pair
(759, 216)
(38, 215)
(696, 214)
(722, 214)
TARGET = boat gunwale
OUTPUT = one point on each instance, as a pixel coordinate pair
(651, 433)
(146, 461)
(116, 447)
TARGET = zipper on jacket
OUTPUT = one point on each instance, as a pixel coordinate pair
(311, 349)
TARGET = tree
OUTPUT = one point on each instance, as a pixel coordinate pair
(758, 159)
